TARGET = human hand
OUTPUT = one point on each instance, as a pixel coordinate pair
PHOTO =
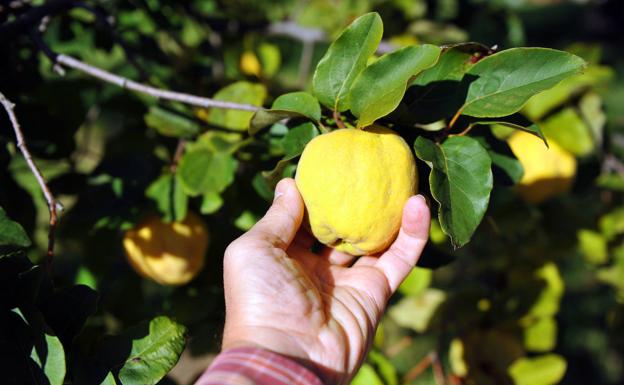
(319, 309)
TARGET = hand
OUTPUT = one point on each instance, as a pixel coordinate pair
(320, 309)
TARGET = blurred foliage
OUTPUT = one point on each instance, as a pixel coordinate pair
(537, 296)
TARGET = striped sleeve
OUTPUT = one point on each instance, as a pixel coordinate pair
(255, 366)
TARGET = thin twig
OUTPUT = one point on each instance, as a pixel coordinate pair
(418, 369)
(53, 204)
(438, 372)
(131, 85)
(338, 120)
(432, 360)
(465, 131)
(177, 155)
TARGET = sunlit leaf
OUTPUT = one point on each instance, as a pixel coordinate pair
(168, 123)
(503, 82)
(366, 376)
(415, 312)
(202, 170)
(153, 355)
(416, 282)
(569, 131)
(541, 335)
(381, 86)
(345, 59)
(239, 92)
(169, 196)
(542, 370)
(593, 245)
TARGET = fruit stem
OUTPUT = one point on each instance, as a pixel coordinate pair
(338, 120)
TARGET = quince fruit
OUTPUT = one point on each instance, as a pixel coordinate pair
(249, 64)
(354, 184)
(168, 253)
(548, 171)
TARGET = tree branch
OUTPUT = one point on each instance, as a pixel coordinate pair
(53, 204)
(131, 85)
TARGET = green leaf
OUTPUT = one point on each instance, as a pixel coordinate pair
(461, 188)
(503, 82)
(297, 138)
(532, 129)
(541, 335)
(612, 223)
(544, 102)
(506, 162)
(416, 282)
(301, 102)
(168, 123)
(454, 62)
(169, 196)
(510, 165)
(211, 203)
(593, 246)
(416, 312)
(345, 59)
(246, 220)
(152, 356)
(12, 233)
(239, 92)
(437, 92)
(547, 303)
(384, 367)
(52, 360)
(292, 105)
(46, 349)
(202, 171)
(366, 376)
(569, 130)
(381, 86)
(542, 370)
(109, 380)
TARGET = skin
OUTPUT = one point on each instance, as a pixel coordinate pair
(319, 309)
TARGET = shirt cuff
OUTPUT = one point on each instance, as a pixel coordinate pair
(255, 366)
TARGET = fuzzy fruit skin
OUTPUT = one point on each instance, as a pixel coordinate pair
(354, 184)
(168, 253)
(547, 171)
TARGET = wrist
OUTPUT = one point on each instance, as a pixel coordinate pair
(287, 350)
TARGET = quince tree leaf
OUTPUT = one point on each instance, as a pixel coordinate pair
(153, 355)
(461, 181)
(291, 105)
(345, 59)
(547, 369)
(11, 232)
(502, 83)
(381, 86)
(239, 92)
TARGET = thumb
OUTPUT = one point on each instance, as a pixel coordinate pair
(281, 222)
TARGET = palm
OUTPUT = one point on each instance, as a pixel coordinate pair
(312, 307)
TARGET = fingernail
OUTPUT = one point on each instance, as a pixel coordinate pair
(423, 199)
(279, 191)
(277, 195)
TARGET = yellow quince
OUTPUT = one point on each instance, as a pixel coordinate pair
(548, 171)
(354, 184)
(168, 253)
